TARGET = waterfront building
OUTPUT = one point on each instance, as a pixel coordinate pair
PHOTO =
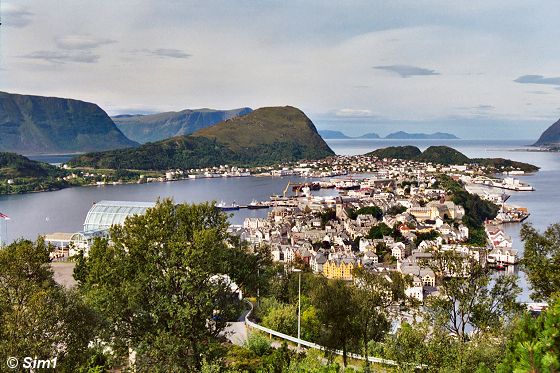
(340, 268)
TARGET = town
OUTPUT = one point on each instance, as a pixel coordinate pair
(383, 215)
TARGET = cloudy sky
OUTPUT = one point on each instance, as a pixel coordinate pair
(479, 69)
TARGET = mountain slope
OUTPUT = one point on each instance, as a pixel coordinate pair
(265, 136)
(397, 152)
(551, 136)
(443, 155)
(156, 127)
(271, 126)
(37, 124)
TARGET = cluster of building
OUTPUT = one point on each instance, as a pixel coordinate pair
(391, 219)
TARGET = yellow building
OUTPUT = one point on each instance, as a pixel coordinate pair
(340, 269)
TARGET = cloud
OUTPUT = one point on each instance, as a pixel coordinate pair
(63, 57)
(353, 113)
(484, 107)
(167, 53)
(537, 79)
(406, 71)
(82, 42)
(15, 16)
(539, 92)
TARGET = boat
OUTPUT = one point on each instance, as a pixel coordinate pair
(222, 206)
(254, 205)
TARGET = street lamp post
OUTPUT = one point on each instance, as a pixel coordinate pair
(299, 308)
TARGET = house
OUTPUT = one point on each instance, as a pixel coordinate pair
(317, 262)
(340, 268)
(398, 251)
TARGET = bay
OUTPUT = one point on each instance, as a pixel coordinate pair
(65, 210)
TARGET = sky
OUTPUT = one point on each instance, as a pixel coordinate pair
(478, 69)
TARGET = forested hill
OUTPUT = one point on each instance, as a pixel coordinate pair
(36, 124)
(156, 127)
(16, 166)
(265, 136)
(446, 155)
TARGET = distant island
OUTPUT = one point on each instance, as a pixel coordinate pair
(550, 138)
(328, 134)
(265, 136)
(161, 126)
(338, 135)
(421, 136)
(447, 156)
(51, 125)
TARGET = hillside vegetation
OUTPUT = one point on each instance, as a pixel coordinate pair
(36, 124)
(397, 152)
(447, 156)
(19, 174)
(265, 136)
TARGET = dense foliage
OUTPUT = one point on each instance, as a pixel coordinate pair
(542, 260)
(39, 318)
(477, 210)
(397, 152)
(168, 293)
(535, 343)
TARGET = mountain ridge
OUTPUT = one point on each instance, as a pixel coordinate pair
(550, 136)
(265, 136)
(400, 135)
(145, 128)
(32, 124)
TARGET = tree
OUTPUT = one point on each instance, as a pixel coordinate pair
(373, 296)
(161, 284)
(468, 298)
(379, 231)
(335, 306)
(542, 260)
(371, 210)
(535, 343)
(282, 318)
(38, 317)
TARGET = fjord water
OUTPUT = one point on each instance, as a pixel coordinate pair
(65, 210)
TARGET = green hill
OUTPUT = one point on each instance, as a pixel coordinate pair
(15, 166)
(156, 127)
(19, 174)
(265, 136)
(397, 152)
(446, 155)
(40, 125)
(443, 155)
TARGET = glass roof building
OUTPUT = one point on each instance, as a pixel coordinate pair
(104, 214)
